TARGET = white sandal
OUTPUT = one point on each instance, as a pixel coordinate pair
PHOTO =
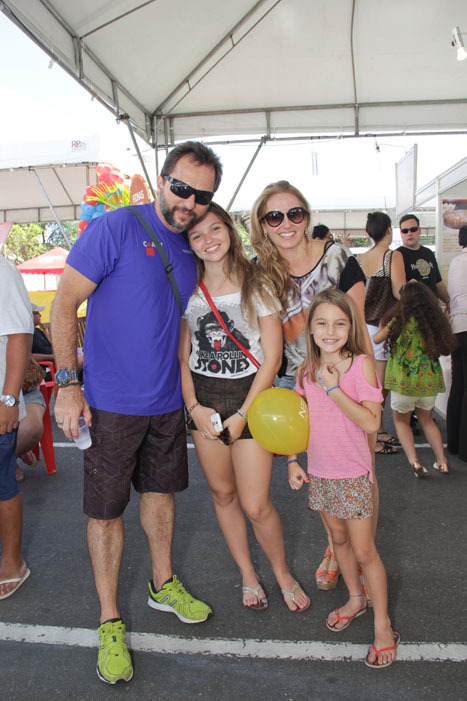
(291, 593)
(261, 604)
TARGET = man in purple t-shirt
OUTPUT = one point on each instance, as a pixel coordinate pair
(133, 402)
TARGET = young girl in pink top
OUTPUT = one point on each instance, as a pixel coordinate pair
(344, 401)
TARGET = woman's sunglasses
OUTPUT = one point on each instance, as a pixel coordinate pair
(275, 217)
(185, 191)
(412, 230)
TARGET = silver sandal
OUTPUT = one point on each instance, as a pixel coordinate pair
(262, 604)
(291, 593)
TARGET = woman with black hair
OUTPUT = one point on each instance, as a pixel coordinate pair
(377, 263)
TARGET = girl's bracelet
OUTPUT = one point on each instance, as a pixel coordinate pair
(192, 407)
(244, 416)
(294, 460)
(331, 388)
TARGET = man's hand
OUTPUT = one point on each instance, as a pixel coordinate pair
(8, 418)
(69, 406)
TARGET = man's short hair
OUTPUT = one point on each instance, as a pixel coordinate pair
(200, 153)
(406, 217)
(463, 236)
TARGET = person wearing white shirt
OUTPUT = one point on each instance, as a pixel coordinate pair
(16, 330)
(457, 404)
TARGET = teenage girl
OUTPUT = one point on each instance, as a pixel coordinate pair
(218, 377)
(344, 401)
(417, 333)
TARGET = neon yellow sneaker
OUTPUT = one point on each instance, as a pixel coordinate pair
(113, 661)
(174, 598)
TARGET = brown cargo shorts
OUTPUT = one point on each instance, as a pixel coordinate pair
(148, 451)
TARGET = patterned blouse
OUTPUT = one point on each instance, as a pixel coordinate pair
(336, 268)
(410, 371)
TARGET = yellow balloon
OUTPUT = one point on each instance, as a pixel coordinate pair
(278, 420)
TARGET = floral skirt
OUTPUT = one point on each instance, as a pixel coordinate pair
(348, 498)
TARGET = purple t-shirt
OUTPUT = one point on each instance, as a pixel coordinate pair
(133, 321)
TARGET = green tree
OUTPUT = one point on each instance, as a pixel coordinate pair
(54, 236)
(25, 241)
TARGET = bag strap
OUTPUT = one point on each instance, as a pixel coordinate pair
(160, 249)
(387, 255)
(222, 323)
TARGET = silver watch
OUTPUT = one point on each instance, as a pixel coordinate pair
(9, 400)
(65, 377)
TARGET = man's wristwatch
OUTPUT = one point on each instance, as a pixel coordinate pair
(65, 377)
(9, 400)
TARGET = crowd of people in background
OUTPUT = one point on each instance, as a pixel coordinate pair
(213, 329)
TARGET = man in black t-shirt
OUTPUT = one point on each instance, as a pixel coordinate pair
(420, 262)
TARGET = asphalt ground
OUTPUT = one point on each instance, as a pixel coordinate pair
(48, 638)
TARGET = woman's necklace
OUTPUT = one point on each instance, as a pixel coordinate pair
(216, 288)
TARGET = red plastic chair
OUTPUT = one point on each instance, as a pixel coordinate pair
(46, 443)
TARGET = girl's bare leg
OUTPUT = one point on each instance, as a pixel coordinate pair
(349, 570)
(405, 435)
(253, 467)
(216, 463)
(362, 542)
(432, 433)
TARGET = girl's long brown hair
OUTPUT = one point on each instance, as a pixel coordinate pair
(252, 280)
(269, 258)
(418, 301)
(353, 346)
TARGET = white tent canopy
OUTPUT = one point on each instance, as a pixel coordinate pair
(26, 191)
(272, 68)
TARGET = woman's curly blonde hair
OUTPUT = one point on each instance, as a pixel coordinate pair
(269, 259)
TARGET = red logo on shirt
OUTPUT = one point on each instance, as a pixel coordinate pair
(149, 251)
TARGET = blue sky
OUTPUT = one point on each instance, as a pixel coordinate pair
(43, 104)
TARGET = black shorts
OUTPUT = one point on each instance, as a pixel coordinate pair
(224, 396)
(148, 451)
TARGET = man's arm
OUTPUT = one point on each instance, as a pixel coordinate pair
(17, 357)
(73, 289)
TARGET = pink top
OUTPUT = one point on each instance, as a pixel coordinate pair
(337, 447)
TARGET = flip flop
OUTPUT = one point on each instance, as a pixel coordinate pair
(373, 665)
(262, 604)
(392, 440)
(16, 580)
(386, 449)
(349, 620)
(291, 593)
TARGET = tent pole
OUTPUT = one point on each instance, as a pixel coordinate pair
(232, 199)
(59, 223)
(126, 118)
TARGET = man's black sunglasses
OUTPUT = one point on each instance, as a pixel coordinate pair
(275, 217)
(412, 230)
(185, 191)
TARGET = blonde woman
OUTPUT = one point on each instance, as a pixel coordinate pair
(300, 267)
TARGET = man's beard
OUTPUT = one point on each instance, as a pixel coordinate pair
(169, 215)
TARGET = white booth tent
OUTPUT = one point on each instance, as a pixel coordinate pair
(271, 69)
(44, 193)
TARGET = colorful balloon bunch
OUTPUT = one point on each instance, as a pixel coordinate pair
(110, 192)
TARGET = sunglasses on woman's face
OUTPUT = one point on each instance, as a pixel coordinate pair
(412, 230)
(275, 217)
(181, 189)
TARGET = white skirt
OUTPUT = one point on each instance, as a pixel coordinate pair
(378, 348)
